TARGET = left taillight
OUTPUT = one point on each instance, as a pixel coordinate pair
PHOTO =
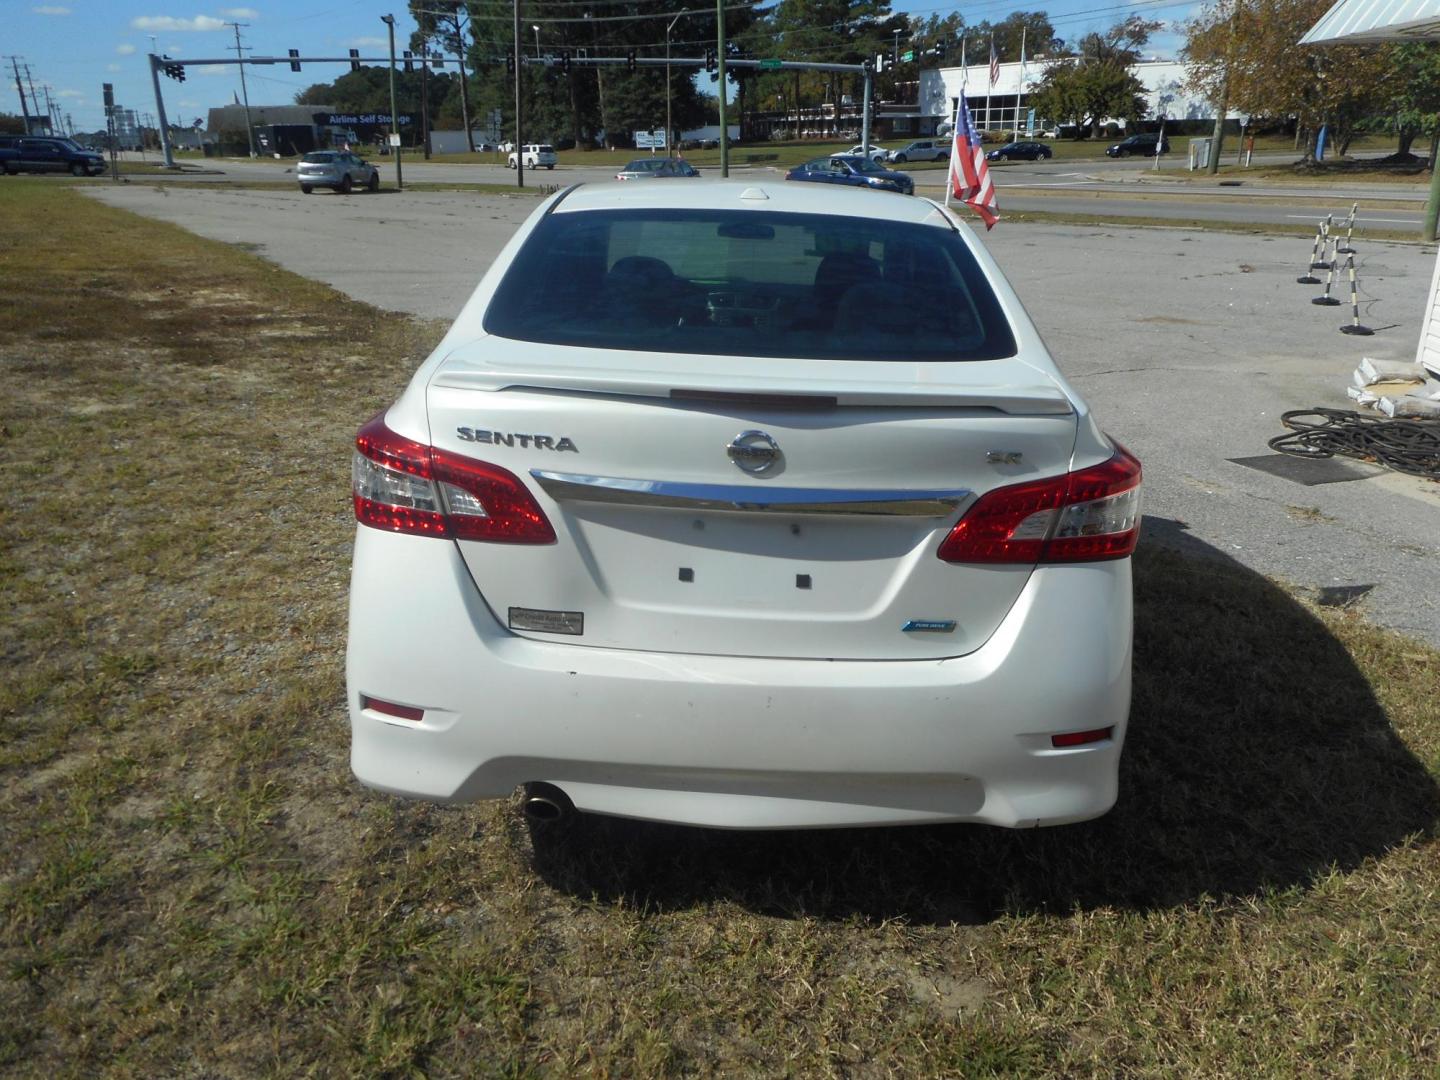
(404, 486)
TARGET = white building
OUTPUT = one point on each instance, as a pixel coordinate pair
(1000, 107)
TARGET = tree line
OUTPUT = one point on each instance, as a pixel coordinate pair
(1241, 51)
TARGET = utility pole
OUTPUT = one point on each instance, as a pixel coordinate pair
(389, 21)
(519, 104)
(425, 98)
(34, 97)
(244, 93)
(1217, 137)
(165, 147)
(24, 108)
(720, 58)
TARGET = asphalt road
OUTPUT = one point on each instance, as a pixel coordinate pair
(1109, 189)
(1187, 344)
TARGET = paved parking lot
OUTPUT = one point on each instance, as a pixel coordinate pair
(1188, 345)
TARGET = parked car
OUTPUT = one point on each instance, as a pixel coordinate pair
(875, 153)
(852, 170)
(535, 155)
(921, 150)
(656, 168)
(771, 510)
(1142, 145)
(338, 170)
(1021, 151)
(31, 153)
(484, 146)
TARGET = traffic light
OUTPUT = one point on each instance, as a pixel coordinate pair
(175, 71)
(941, 48)
(109, 91)
(630, 60)
(510, 61)
(436, 60)
(294, 63)
(354, 59)
(881, 62)
(565, 61)
(710, 60)
(409, 60)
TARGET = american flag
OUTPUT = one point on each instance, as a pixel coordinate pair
(969, 174)
(994, 64)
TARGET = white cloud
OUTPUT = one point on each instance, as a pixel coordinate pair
(50, 9)
(69, 93)
(113, 67)
(215, 70)
(362, 42)
(240, 12)
(124, 50)
(188, 104)
(168, 22)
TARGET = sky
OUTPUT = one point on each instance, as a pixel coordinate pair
(74, 46)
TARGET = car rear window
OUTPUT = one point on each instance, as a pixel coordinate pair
(319, 159)
(729, 282)
(547, 149)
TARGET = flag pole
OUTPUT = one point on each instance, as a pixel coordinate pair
(954, 138)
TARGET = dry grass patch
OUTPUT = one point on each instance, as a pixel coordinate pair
(191, 884)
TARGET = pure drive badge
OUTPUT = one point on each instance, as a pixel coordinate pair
(507, 438)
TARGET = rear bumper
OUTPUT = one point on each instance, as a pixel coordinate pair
(733, 741)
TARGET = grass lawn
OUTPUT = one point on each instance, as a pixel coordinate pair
(191, 884)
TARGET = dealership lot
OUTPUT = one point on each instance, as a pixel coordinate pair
(1189, 345)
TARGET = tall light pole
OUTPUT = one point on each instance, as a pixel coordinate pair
(669, 126)
(536, 28)
(720, 59)
(519, 102)
(389, 21)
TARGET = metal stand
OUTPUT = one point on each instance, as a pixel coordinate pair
(1325, 299)
(1354, 327)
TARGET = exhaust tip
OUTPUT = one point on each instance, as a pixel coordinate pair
(546, 803)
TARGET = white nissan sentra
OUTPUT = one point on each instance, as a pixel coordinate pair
(752, 506)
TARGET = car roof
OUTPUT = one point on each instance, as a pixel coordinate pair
(762, 196)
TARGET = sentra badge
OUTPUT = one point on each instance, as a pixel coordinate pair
(507, 438)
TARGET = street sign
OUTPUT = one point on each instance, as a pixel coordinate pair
(395, 139)
(908, 56)
(650, 140)
(769, 65)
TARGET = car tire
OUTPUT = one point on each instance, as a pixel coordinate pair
(510, 164)
(900, 159)
(1046, 156)
(550, 167)
(11, 169)
(345, 185)
(373, 184)
(78, 169)
(306, 189)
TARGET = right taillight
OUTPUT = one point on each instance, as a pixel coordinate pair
(1083, 516)
(404, 486)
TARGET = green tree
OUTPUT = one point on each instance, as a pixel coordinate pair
(1245, 51)
(1411, 93)
(1084, 93)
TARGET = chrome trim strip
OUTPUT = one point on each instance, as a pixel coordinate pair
(749, 498)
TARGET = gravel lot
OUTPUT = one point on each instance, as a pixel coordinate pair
(1189, 345)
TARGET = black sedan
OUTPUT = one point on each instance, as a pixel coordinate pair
(1021, 151)
(854, 170)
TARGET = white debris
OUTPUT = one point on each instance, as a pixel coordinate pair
(1361, 395)
(1408, 406)
(1372, 371)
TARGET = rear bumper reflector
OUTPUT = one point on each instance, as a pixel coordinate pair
(389, 708)
(1080, 738)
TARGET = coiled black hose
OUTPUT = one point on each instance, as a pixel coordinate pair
(1407, 446)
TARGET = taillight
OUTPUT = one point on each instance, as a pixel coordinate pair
(1083, 516)
(404, 486)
